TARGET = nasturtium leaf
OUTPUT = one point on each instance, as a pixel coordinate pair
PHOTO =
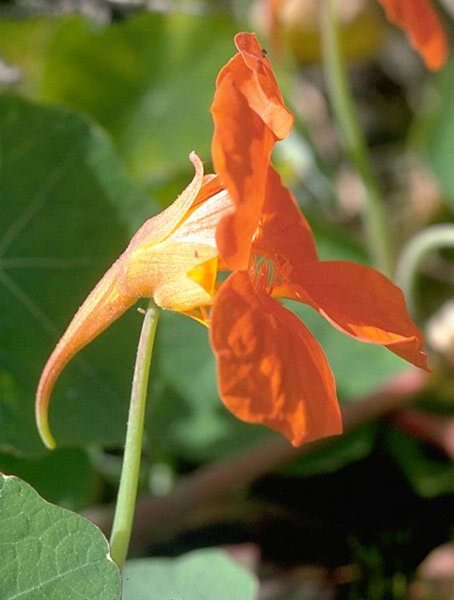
(148, 80)
(199, 575)
(49, 552)
(65, 476)
(65, 212)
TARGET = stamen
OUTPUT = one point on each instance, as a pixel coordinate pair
(263, 273)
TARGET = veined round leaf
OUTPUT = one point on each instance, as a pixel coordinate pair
(200, 575)
(65, 205)
(49, 552)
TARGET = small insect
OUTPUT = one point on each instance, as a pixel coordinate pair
(264, 52)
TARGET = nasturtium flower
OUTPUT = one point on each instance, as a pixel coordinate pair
(172, 258)
(271, 370)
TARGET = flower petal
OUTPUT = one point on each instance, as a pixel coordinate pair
(201, 224)
(249, 117)
(177, 275)
(270, 368)
(180, 272)
(283, 234)
(423, 27)
(261, 89)
(161, 225)
(172, 258)
(362, 303)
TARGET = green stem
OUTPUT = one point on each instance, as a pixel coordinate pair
(413, 253)
(127, 493)
(353, 138)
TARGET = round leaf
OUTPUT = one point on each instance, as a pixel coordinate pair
(49, 552)
(65, 205)
(201, 575)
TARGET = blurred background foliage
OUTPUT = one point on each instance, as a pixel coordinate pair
(101, 103)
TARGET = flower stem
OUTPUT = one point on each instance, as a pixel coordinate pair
(413, 254)
(353, 138)
(127, 493)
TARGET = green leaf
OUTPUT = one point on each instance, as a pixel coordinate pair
(65, 211)
(334, 242)
(149, 80)
(428, 476)
(49, 552)
(64, 476)
(201, 575)
(24, 43)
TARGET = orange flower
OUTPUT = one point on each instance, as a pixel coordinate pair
(270, 368)
(422, 26)
(172, 258)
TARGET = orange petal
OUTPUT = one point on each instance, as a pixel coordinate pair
(261, 89)
(201, 224)
(270, 368)
(211, 185)
(161, 225)
(102, 307)
(167, 276)
(423, 27)
(362, 303)
(249, 117)
(283, 234)
(179, 272)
